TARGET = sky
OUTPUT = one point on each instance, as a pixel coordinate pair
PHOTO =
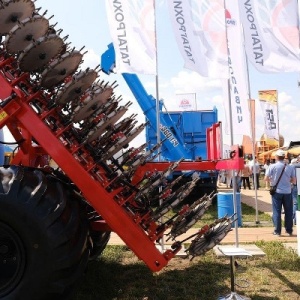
(86, 24)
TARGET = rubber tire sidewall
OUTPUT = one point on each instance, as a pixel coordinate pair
(53, 263)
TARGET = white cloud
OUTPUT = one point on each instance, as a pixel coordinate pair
(288, 114)
(192, 82)
(90, 60)
(218, 99)
(283, 99)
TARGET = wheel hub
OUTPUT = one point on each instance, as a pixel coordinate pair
(3, 249)
(12, 260)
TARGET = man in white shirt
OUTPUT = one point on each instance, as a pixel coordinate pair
(254, 167)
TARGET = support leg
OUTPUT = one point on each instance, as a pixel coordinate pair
(233, 295)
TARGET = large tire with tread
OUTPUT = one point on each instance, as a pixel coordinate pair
(100, 241)
(44, 246)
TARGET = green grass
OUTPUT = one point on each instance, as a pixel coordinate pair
(248, 217)
(248, 214)
(120, 275)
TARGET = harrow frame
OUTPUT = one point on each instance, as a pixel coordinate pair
(39, 140)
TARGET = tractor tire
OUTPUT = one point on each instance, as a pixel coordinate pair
(100, 241)
(44, 246)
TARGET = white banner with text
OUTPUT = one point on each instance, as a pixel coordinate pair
(132, 28)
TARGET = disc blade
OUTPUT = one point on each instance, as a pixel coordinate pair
(207, 241)
(22, 34)
(73, 90)
(118, 146)
(60, 68)
(92, 103)
(40, 52)
(189, 219)
(111, 118)
(13, 11)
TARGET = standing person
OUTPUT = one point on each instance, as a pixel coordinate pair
(296, 164)
(228, 177)
(237, 176)
(283, 194)
(221, 178)
(266, 167)
(254, 167)
(238, 181)
(245, 174)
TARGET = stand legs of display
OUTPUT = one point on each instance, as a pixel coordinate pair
(231, 253)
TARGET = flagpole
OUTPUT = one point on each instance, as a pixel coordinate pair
(252, 135)
(231, 143)
(162, 242)
(253, 156)
(278, 119)
(156, 84)
(233, 171)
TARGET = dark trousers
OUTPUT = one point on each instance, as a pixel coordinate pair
(246, 180)
(257, 180)
(285, 201)
(295, 202)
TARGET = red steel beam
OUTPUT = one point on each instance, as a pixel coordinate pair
(116, 217)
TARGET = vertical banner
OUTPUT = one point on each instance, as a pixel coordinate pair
(237, 71)
(271, 34)
(200, 32)
(186, 101)
(268, 103)
(226, 105)
(298, 15)
(132, 28)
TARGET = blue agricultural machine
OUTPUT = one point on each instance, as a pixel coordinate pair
(184, 133)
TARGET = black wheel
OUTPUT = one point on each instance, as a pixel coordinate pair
(43, 236)
(100, 240)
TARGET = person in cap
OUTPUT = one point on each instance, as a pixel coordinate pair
(283, 194)
(296, 164)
